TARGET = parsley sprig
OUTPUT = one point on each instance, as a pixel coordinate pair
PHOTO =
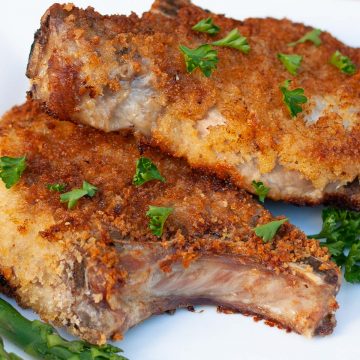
(312, 36)
(11, 170)
(206, 26)
(158, 216)
(146, 171)
(269, 230)
(291, 62)
(293, 98)
(260, 189)
(343, 63)
(204, 57)
(234, 40)
(340, 233)
(74, 195)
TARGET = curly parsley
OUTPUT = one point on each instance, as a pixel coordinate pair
(74, 195)
(343, 63)
(11, 170)
(340, 233)
(312, 36)
(206, 26)
(234, 40)
(293, 98)
(291, 62)
(269, 230)
(204, 57)
(158, 216)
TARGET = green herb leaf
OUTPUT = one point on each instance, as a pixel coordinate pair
(352, 268)
(204, 57)
(313, 36)
(336, 248)
(341, 232)
(269, 230)
(339, 225)
(73, 196)
(343, 63)
(234, 40)
(291, 62)
(292, 98)
(146, 171)
(158, 216)
(206, 26)
(90, 189)
(56, 187)
(260, 189)
(11, 170)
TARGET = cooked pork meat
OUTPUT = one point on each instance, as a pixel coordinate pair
(98, 270)
(115, 72)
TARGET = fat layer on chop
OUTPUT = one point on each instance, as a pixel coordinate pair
(98, 270)
(115, 72)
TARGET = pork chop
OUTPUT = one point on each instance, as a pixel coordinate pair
(98, 270)
(115, 72)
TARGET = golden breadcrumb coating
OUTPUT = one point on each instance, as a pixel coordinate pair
(100, 70)
(89, 268)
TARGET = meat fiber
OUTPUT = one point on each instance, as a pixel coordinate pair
(98, 270)
(115, 72)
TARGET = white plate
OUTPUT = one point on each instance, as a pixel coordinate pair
(207, 335)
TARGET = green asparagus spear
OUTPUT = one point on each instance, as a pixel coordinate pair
(7, 356)
(43, 342)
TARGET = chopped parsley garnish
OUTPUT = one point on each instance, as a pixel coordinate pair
(260, 189)
(269, 230)
(158, 216)
(234, 40)
(56, 187)
(11, 170)
(206, 26)
(293, 98)
(340, 233)
(204, 57)
(146, 171)
(74, 195)
(313, 36)
(291, 62)
(343, 63)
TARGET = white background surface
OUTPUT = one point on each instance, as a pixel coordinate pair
(207, 335)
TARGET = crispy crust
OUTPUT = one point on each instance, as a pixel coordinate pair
(244, 89)
(46, 250)
(67, 153)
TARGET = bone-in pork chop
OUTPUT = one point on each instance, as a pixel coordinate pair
(98, 270)
(115, 72)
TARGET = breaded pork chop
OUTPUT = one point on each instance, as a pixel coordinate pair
(98, 269)
(115, 72)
